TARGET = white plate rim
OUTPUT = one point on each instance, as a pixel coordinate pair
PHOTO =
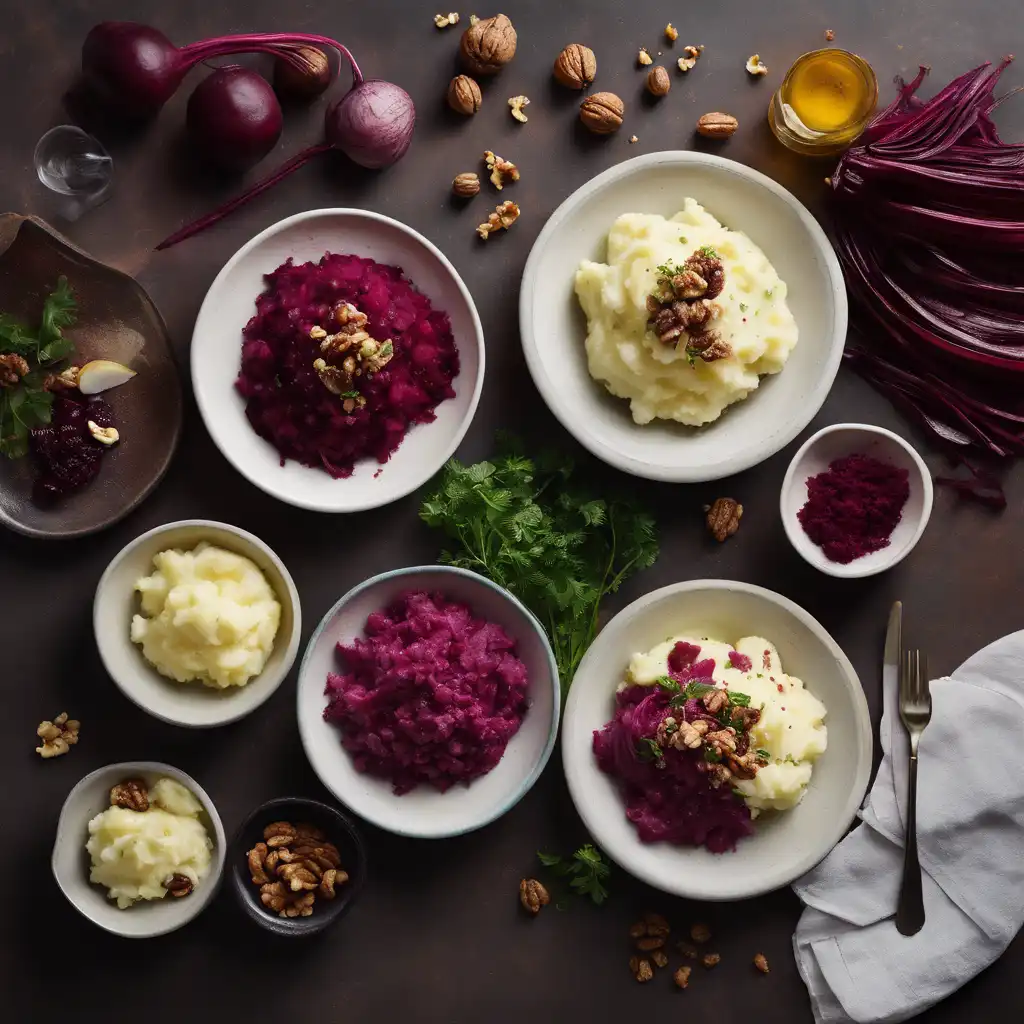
(549, 389)
(549, 746)
(203, 400)
(576, 767)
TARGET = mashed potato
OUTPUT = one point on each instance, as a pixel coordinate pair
(791, 728)
(208, 615)
(134, 852)
(657, 378)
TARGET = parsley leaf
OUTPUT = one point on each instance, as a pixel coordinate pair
(586, 870)
(668, 684)
(709, 251)
(743, 307)
(350, 394)
(521, 522)
(765, 756)
(648, 750)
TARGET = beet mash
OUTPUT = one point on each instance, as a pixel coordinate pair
(854, 506)
(287, 402)
(431, 695)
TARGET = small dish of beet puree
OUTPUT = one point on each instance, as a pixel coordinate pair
(855, 500)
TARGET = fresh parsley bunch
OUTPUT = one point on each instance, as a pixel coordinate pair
(519, 522)
(27, 404)
(586, 870)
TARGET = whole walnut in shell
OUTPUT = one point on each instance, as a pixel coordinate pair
(602, 113)
(464, 96)
(489, 45)
(576, 66)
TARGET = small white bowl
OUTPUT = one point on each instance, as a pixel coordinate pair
(554, 328)
(814, 457)
(70, 861)
(785, 844)
(189, 704)
(217, 350)
(425, 813)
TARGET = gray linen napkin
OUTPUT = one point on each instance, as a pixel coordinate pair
(970, 820)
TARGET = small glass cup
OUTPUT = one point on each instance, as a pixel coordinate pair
(792, 132)
(73, 163)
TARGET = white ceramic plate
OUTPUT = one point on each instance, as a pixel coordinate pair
(189, 704)
(784, 845)
(217, 349)
(70, 862)
(424, 812)
(814, 457)
(554, 328)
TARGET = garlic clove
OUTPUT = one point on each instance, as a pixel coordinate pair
(102, 375)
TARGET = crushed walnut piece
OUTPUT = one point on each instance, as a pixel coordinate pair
(761, 963)
(659, 958)
(533, 895)
(473, 19)
(293, 867)
(710, 960)
(829, 35)
(66, 380)
(671, 32)
(723, 518)
(633, 139)
(502, 171)
(682, 976)
(682, 309)
(755, 67)
(12, 368)
(504, 216)
(691, 54)
(641, 968)
(643, 58)
(178, 885)
(58, 736)
(445, 20)
(132, 795)
(348, 354)
(516, 104)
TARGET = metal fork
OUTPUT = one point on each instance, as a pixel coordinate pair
(915, 713)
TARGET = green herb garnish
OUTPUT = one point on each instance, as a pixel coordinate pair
(649, 750)
(712, 756)
(768, 292)
(560, 550)
(743, 307)
(350, 394)
(709, 251)
(668, 684)
(586, 870)
(27, 404)
(682, 239)
(764, 755)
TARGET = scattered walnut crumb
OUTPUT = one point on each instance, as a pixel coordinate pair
(761, 963)
(504, 216)
(755, 67)
(682, 977)
(444, 20)
(641, 968)
(694, 51)
(690, 58)
(633, 139)
(660, 958)
(700, 933)
(643, 57)
(671, 32)
(516, 103)
(502, 171)
(686, 63)
(829, 35)
(710, 960)
(58, 736)
(473, 19)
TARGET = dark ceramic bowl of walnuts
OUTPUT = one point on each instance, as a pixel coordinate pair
(296, 865)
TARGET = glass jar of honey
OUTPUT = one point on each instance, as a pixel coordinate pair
(824, 102)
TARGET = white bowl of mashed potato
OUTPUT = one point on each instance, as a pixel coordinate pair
(197, 622)
(815, 734)
(683, 410)
(111, 862)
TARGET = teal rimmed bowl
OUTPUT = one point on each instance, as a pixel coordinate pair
(425, 813)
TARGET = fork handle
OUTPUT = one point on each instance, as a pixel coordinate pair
(910, 910)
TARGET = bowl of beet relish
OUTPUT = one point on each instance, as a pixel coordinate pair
(855, 500)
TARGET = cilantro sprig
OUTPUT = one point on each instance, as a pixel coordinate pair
(27, 404)
(560, 550)
(586, 871)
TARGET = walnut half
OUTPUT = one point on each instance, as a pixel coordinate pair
(131, 794)
(533, 895)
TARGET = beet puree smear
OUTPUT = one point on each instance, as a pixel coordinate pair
(288, 404)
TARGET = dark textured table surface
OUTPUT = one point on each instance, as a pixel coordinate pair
(437, 935)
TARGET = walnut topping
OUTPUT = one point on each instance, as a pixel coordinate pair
(12, 368)
(708, 346)
(671, 32)
(533, 895)
(293, 866)
(516, 104)
(502, 171)
(723, 518)
(58, 736)
(681, 305)
(715, 701)
(444, 20)
(643, 57)
(761, 963)
(755, 67)
(131, 794)
(504, 216)
(682, 976)
(178, 885)
(348, 354)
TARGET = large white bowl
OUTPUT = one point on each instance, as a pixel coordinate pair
(554, 328)
(424, 812)
(70, 861)
(784, 845)
(217, 348)
(189, 704)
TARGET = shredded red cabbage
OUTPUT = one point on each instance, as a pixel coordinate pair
(929, 224)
